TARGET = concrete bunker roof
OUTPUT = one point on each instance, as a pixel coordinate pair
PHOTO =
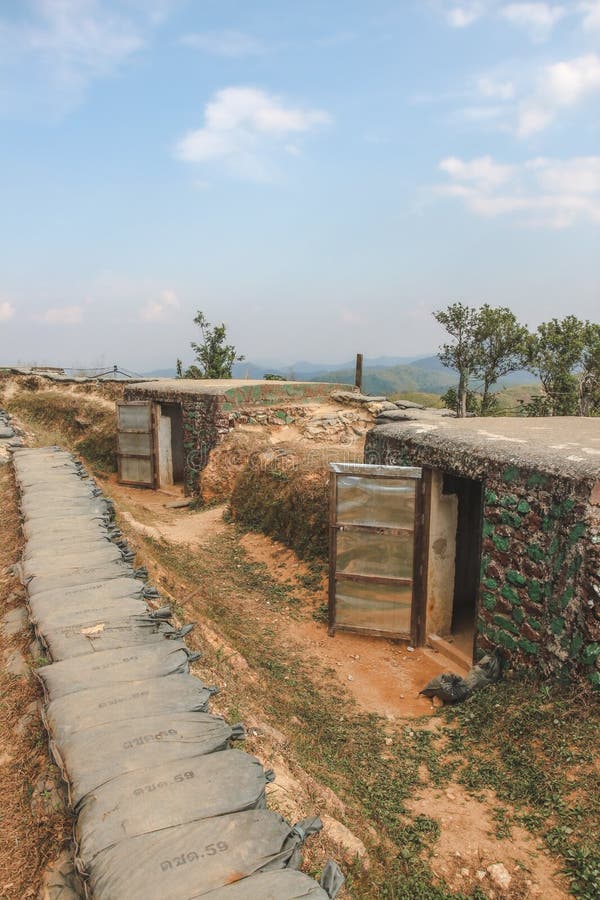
(235, 390)
(565, 446)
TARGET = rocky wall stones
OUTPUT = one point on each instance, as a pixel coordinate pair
(204, 424)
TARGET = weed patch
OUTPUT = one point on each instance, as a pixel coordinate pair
(536, 746)
(86, 427)
(290, 505)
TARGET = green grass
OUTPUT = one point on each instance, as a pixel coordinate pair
(536, 745)
(71, 421)
(291, 506)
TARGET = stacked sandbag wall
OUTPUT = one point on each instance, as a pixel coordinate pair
(163, 806)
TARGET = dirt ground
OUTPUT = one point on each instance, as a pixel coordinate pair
(384, 677)
(468, 842)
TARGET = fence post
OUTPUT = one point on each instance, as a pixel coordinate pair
(359, 371)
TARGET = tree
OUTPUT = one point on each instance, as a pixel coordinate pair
(502, 348)
(450, 401)
(589, 382)
(460, 322)
(555, 355)
(214, 357)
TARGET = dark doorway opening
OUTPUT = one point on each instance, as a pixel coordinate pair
(468, 559)
(176, 464)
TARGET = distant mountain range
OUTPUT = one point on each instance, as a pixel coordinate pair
(381, 375)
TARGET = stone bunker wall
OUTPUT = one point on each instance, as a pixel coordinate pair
(539, 593)
(208, 418)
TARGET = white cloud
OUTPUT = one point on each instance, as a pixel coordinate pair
(158, 310)
(571, 176)
(242, 125)
(590, 13)
(7, 310)
(538, 18)
(224, 43)
(488, 100)
(559, 86)
(483, 114)
(61, 315)
(495, 88)
(462, 15)
(55, 48)
(482, 172)
(541, 192)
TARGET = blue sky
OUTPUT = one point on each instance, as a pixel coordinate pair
(318, 174)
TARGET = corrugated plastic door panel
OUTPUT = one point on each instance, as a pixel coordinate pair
(136, 455)
(376, 523)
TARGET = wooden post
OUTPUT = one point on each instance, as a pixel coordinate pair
(359, 367)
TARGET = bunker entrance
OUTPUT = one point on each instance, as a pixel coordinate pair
(169, 429)
(378, 539)
(405, 552)
(150, 449)
(467, 559)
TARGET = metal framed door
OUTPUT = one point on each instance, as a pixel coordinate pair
(136, 445)
(378, 550)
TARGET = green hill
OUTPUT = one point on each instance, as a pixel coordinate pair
(395, 379)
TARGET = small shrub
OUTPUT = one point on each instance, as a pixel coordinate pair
(290, 505)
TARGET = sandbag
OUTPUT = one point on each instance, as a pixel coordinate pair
(71, 525)
(60, 488)
(44, 617)
(125, 700)
(83, 576)
(94, 756)
(112, 666)
(190, 860)
(284, 884)
(31, 472)
(43, 509)
(171, 794)
(95, 592)
(77, 640)
(76, 559)
(48, 540)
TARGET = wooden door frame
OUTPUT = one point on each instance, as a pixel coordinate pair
(151, 431)
(420, 548)
(421, 558)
